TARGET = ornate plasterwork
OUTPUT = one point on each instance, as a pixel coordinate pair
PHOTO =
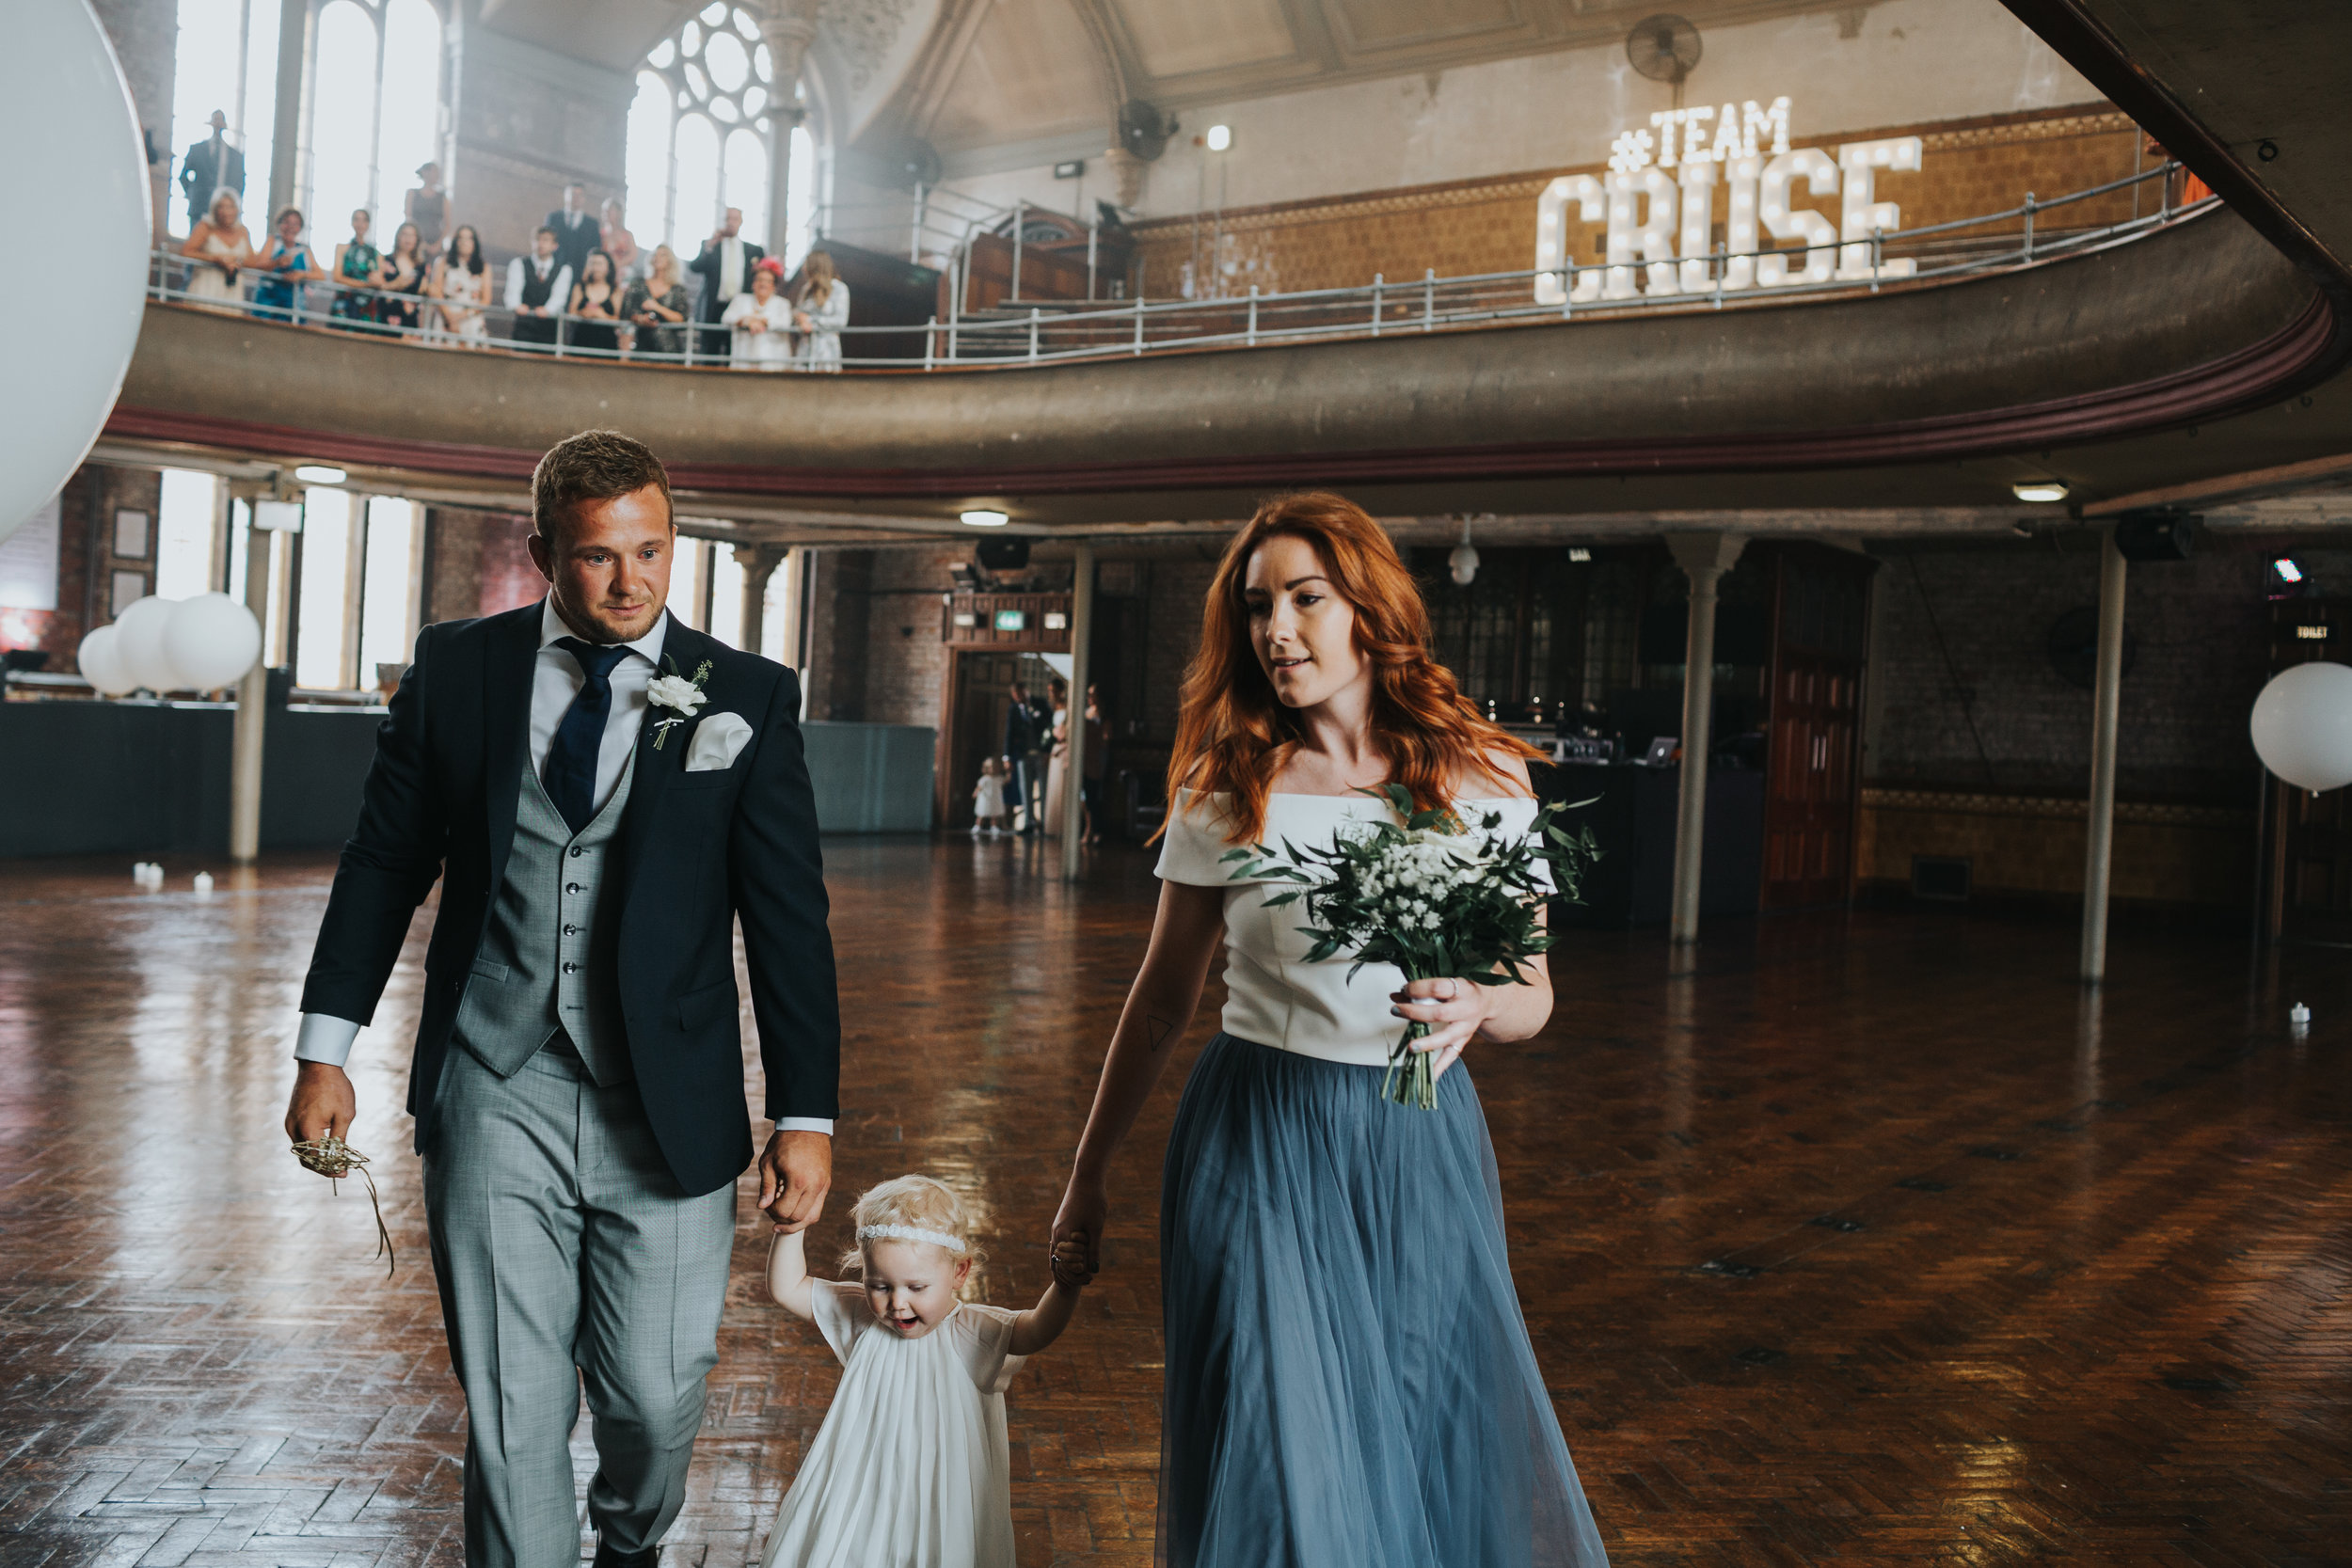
(863, 31)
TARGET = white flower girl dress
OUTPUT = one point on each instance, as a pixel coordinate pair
(910, 1468)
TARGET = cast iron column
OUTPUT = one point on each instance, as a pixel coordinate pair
(1704, 558)
(2099, 840)
(1075, 764)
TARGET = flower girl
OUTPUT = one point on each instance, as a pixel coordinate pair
(910, 1468)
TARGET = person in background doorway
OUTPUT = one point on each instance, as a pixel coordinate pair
(537, 288)
(286, 265)
(575, 229)
(1095, 764)
(1025, 753)
(597, 301)
(725, 265)
(428, 206)
(762, 322)
(358, 268)
(656, 306)
(619, 243)
(209, 167)
(401, 305)
(221, 245)
(461, 281)
(824, 310)
(1058, 760)
(989, 809)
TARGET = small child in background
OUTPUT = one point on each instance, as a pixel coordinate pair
(910, 1468)
(987, 800)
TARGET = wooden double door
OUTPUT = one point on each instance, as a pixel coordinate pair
(1820, 612)
(980, 695)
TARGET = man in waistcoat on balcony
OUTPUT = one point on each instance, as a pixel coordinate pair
(538, 287)
(725, 265)
(602, 793)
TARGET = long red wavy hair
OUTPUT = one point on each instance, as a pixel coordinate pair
(1233, 734)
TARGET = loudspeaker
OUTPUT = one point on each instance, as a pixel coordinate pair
(1004, 555)
(2155, 535)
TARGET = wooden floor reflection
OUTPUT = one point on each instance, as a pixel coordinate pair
(1872, 1242)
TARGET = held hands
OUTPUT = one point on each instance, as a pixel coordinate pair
(795, 1174)
(1456, 1011)
(1072, 1271)
(1078, 1229)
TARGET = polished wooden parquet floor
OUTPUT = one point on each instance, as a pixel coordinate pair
(1870, 1242)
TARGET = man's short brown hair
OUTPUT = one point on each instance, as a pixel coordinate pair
(593, 466)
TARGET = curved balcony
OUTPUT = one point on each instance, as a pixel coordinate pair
(2194, 319)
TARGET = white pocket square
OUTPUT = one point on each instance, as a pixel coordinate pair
(719, 740)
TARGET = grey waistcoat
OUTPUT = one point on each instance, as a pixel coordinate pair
(550, 951)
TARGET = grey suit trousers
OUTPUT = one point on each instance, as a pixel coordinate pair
(562, 1242)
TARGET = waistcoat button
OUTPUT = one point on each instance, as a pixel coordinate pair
(571, 887)
(578, 851)
(571, 969)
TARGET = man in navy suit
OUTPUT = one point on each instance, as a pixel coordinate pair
(578, 231)
(602, 794)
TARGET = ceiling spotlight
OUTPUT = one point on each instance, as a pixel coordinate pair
(982, 518)
(1577, 552)
(319, 473)
(1220, 137)
(2038, 489)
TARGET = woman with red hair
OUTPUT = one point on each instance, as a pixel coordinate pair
(1349, 1381)
(762, 320)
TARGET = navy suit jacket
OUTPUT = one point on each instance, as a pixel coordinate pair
(696, 852)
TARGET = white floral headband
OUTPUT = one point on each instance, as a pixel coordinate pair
(908, 1233)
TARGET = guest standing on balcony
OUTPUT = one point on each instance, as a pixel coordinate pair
(221, 245)
(461, 281)
(597, 301)
(656, 306)
(824, 312)
(628, 260)
(575, 229)
(537, 288)
(286, 265)
(358, 268)
(402, 304)
(762, 321)
(427, 207)
(724, 265)
(210, 166)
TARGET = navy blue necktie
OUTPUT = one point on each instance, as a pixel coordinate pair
(570, 774)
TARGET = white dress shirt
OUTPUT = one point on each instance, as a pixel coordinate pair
(730, 268)
(556, 680)
(559, 295)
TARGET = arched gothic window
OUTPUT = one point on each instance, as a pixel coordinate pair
(228, 60)
(700, 133)
(375, 113)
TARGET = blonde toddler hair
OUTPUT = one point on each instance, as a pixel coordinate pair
(912, 1200)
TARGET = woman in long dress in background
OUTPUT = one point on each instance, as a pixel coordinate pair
(1349, 1381)
(461, 285)
(221, 243)
(1058, 760)
(824, 310)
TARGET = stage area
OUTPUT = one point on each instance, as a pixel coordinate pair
(1872, 1242)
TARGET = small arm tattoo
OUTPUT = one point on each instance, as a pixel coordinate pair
(1161, 1030)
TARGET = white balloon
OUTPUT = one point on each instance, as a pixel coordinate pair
(101, 663)
(211, 641)
(140, 643)
(2302, 726)
(76, 159)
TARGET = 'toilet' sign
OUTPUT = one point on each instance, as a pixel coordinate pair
(1658, 203)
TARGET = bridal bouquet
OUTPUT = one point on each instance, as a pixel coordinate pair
(1436, 897)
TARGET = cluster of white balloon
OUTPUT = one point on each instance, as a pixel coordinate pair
(199, 644)
(2302, 726)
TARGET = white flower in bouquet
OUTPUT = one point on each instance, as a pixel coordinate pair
(1431, 897)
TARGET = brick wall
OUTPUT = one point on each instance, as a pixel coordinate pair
(480, 563)
(146, 38)
(1482, 226)
(85, 561)
(2199, 629)
(905, 659)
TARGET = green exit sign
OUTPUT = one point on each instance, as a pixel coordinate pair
(1012, 619)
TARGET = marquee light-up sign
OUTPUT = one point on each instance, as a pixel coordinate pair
(1663, 221)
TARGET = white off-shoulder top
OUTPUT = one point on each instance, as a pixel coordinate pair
(1273, 996)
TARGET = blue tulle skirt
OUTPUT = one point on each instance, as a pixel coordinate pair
(1350, 1383)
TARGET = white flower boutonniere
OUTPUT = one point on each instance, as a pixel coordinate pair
(680, 695)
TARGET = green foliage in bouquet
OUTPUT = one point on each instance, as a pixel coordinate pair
(1436, 897)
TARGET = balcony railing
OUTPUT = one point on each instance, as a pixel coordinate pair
(1040, 331)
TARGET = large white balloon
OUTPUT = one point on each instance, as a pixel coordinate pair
(2302, 726)
(211, 641)
(140, 643)
(75, 158)
(101, 663)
